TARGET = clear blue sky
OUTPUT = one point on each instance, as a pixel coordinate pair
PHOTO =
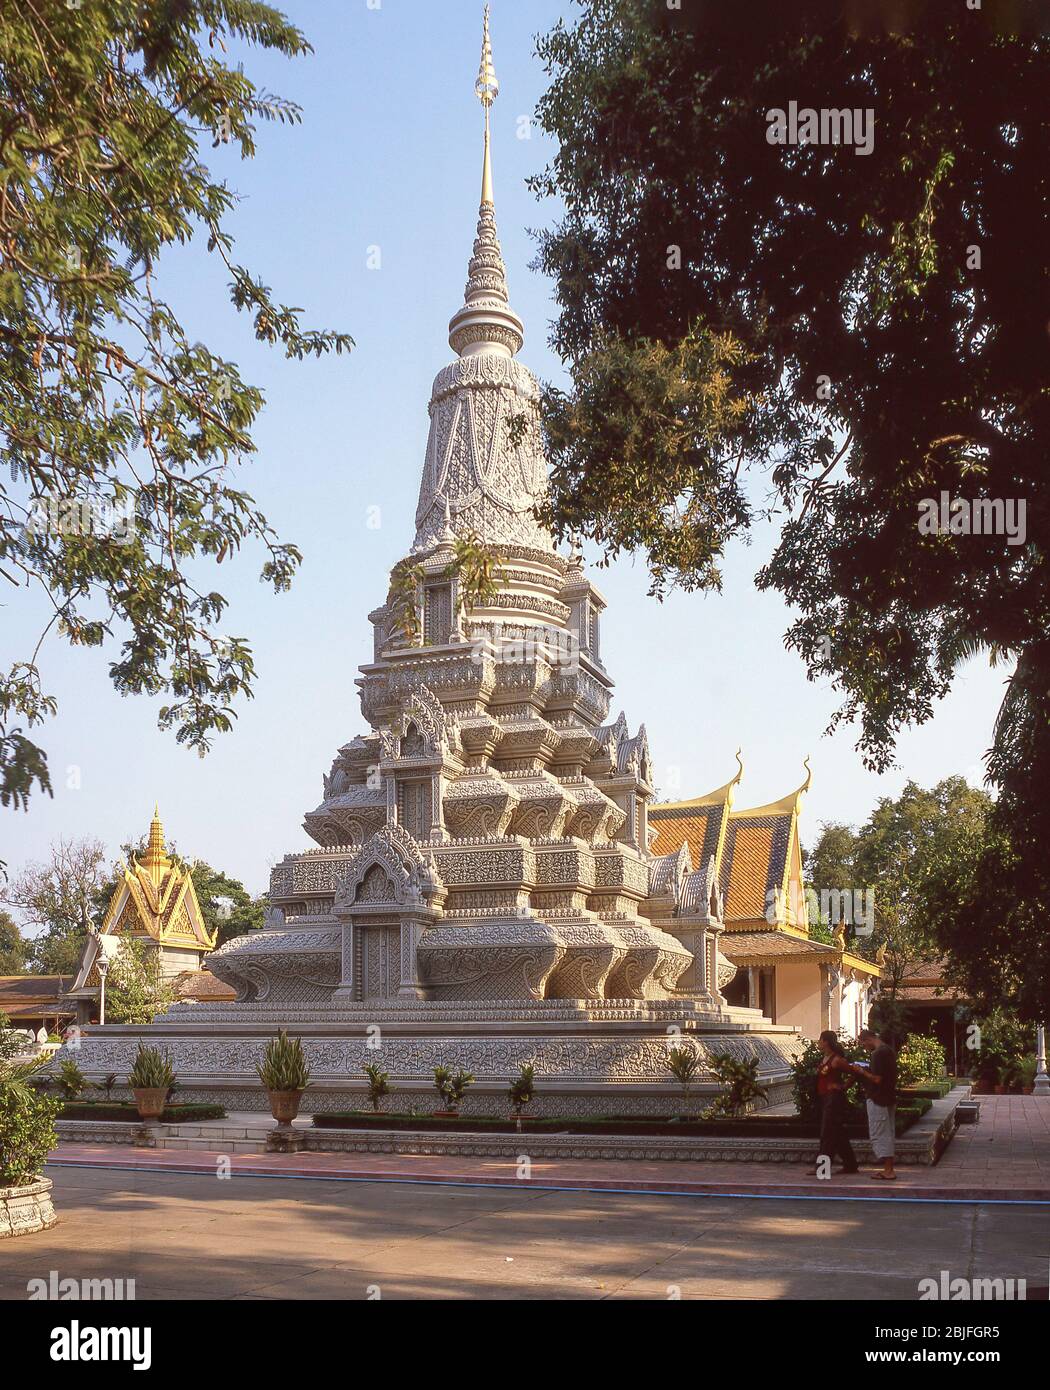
(389, 155)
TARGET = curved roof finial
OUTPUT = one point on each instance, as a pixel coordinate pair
(809, 776)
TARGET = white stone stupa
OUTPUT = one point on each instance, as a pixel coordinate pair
(482, 894)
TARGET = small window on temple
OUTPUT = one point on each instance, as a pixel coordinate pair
(412, 743)
(437, 614)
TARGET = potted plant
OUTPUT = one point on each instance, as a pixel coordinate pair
(522, 1091)
(151, 1078)
(683, 1063)
(377, 1084)
(27, 1136)
(286, 1076)
(450, 1087)
(70, 1080)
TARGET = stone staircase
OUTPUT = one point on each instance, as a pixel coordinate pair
(240, 1133)
(218, 1136)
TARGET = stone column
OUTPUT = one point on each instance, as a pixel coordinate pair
(1041, 1086)
(345, 992)
(411, 984)
(753, 993)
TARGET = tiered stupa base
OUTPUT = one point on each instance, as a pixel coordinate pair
(604, 1057)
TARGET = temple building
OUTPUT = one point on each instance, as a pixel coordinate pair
(154, 902)
(482, 891)
(755, 857)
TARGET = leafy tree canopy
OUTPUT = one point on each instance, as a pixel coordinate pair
(852, 332)
(59, 900)
(119, 430)
(13, 949)
(136, 990)
(226, 905)
(896, 853)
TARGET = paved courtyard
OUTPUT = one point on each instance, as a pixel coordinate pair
(1006, 1157)
(198, 1237)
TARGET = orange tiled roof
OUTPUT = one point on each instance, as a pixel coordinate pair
(756, 851)
(752, 867)
(698, 827)
(762, 947)
(202, 985)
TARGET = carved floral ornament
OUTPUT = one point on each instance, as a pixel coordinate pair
(412, 877)
(437, 733)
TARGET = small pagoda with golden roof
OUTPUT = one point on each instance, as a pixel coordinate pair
(155, 901)
(755, 858)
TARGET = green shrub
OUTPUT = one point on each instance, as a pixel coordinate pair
(150, 1071)
(451, 1087)
(126, 1110)
(683, 1063)
(284, 1065)
(740, 1082)
(70, 1080)
(27, 1134)
(921, 1058)
(1002, 1043)
(804, 1078)
(523, 1088)
(377, 1083)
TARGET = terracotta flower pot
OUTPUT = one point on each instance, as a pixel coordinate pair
(150, 1101)
(284, 1105)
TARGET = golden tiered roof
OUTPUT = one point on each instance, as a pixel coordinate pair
(156, 899)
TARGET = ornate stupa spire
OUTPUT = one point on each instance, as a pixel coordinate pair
(486, 322)
(483, 474)
(155, 861)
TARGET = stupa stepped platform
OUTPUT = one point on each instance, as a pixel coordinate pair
(590, 1057)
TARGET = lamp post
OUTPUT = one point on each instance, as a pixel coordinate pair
(1041, 1086)
(103, 971)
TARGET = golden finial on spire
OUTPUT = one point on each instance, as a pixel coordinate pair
(155, 859)
(487, 85)
(487, 90)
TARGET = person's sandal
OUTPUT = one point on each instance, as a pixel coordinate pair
(884, 1177)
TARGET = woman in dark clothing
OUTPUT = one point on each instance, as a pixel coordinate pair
(833, 1076)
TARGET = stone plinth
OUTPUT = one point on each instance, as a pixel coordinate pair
(26, 1209)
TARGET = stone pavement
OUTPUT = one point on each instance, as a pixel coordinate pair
(1006, 1157)
(189, 1236)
